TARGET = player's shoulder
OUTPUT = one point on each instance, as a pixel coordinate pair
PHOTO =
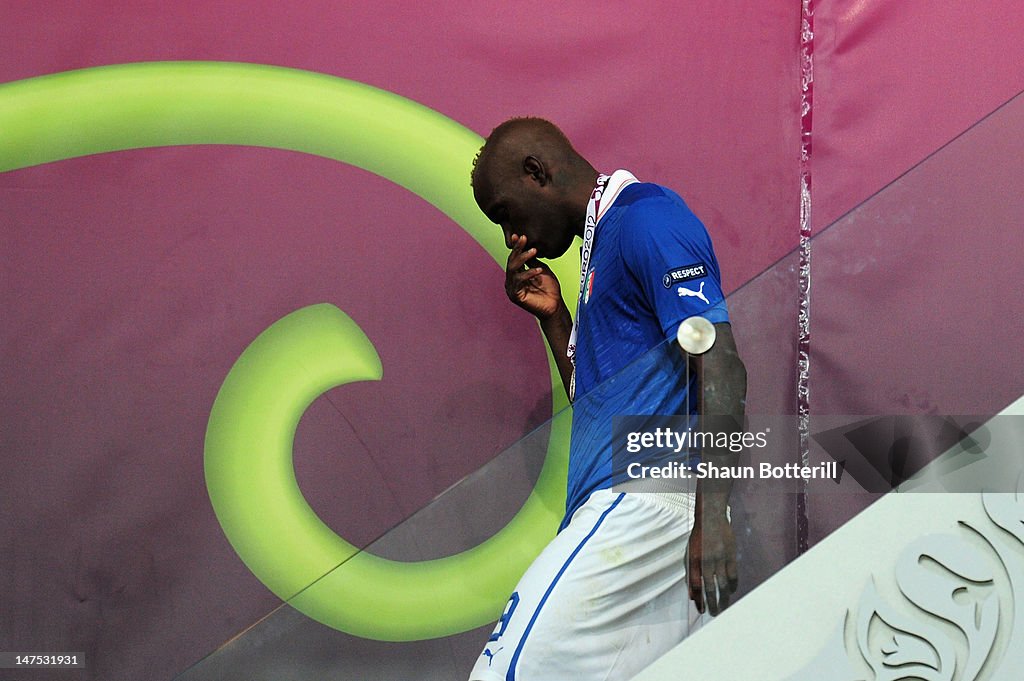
(652, 208)
(642, 202)
(648, 196)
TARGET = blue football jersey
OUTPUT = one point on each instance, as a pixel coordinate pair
(652, 266)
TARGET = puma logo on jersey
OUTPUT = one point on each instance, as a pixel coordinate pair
(490, 655)
(699, 293)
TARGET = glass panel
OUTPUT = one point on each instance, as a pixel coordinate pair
(288, 644)
(916, 305)
(914, 302)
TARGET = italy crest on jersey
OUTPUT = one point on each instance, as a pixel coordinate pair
(590, 287)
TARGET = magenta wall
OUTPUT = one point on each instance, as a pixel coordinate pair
(896, 81)
(134, 280)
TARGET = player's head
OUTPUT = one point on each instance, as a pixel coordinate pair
(529, 179)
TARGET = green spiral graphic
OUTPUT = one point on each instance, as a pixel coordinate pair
(248, 456)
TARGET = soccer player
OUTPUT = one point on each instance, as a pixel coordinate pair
(610, 593)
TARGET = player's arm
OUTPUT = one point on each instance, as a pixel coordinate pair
(712, 547)
(532, 285)
(557, 330)
(670, 252)
(723, 397)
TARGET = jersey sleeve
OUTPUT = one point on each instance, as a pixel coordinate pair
(668, 251)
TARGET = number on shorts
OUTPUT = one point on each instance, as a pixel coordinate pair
(510, 608)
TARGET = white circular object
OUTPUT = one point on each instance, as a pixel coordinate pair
(696, 335)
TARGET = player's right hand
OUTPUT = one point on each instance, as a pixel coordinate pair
(529, 283)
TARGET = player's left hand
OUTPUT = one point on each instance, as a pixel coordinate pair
(711, 560)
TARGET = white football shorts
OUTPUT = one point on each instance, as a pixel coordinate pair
(604, 599)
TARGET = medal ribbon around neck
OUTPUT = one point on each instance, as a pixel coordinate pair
(610, 185)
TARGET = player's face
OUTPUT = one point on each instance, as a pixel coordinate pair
(522, 207)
